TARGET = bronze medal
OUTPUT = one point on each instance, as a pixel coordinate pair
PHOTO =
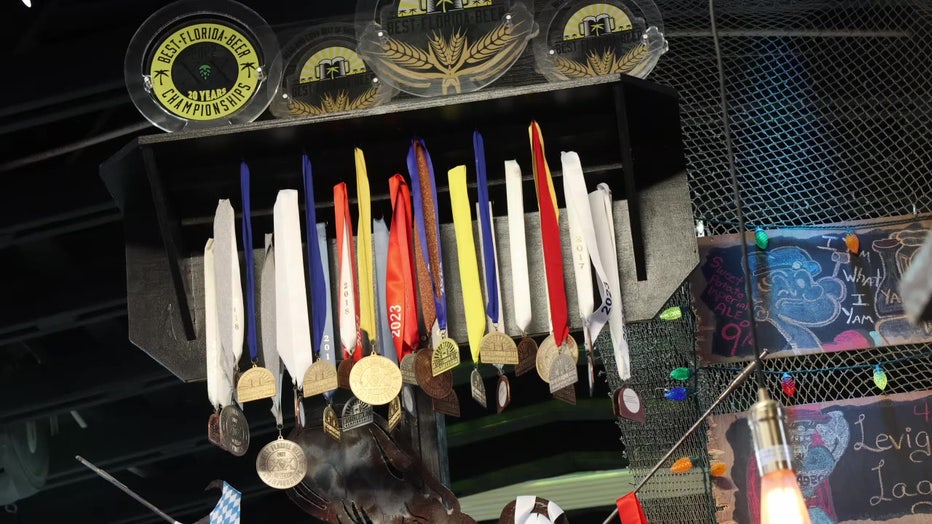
(281, 464)
(356, 414)
(448, 405)
(320, 378)
(477, 387)
(503, 396)
(408, 375)
(254, 384)
(343, 372)
(445, 357)
(234, 430)
(527, 356)
(213, 431)
(394, 413)
(562, 373)
(498, 348)
(567, 394)
(436, 386)
(331, 424)
(375, 380)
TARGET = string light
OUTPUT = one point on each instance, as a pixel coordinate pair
(853, 242)
(671, 313)
(681, 374)
(880, 377)
(788, 383)
(677, 393)
(685, 464)
(761, 238)
(718, 469)
(682, 465)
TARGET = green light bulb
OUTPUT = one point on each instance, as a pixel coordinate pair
(681, 374)
(671, 313)
(761, 238)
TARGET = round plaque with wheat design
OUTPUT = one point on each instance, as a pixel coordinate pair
(594, 38)
(442, 47)
(324, 74)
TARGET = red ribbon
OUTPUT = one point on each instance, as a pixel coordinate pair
(550, 239)
(630, 510)
(345, 223)
(400, 280)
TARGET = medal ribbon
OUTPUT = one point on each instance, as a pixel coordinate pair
(399, 279)
(517, 246)
(600, 201)
(492, 306)
(550, 237)
(380, 257)
(364, 252)
(251, 337)
(229, 287)
(580, 214)
(349, 306)
(219, 385)
(292, 329)
(315, 262)
(466, 253)
(630, 510)
(327, 351)
(267, 318)
(428, 228)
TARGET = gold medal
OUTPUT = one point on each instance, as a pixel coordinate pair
(343, 372)
(548, 351)
(394, 413)
(567, 394)
(320, 378)
(254, 384)
(498, 348)
(331, 424)
(375, 380)
(527, 356)
(477, 387)
(407, 366)
(356, 414)
(448, 405)
(435, 386)
(562, 373)
(446, 356)
(503, 396)
(281, 464)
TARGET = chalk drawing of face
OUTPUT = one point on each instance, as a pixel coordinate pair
(791, 298)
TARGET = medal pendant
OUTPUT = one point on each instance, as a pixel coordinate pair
(394, 413)
(445, 357)
(320, 378)
(527, 356)
(448, 405)
(407, 366)
(436, 387)
(498, 348)
(375, 380)
(332, 424)
(234, 430)
(281, 464)
(254, 384)
(477, 387)
(562, 373)
(343, 372)
(503, 394)
(356, 414)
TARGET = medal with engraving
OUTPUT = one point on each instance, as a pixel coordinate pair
(627, 404)
(562, 373)
(193, 67)
(567, 394)
(213, 431)
(332, 424)
(477, 388)
(321, 377)
(375, 380)
(549, 351)
(445, 357)
(234, 430)
(356, 414)
(436, 386)
(527, 355)
(281, 464)
(502, 394)
(395, 414)
(408, 375)
(448, 405)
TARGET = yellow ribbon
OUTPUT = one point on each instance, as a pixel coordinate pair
(364, 249)
(466, 253)
(534, 127)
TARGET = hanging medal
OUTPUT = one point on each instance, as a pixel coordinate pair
(267, 321)
(374, 379)
(469, 275)
(520, 284)
(600, 202)
(328, 345)
(349, 307)
(445, 354)
(292, 328)
(580, 218)
(234, 430)
(219, 385)
(257, 382)
(559, 343)
(321, 376)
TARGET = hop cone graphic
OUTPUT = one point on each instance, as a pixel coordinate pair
(204, 71)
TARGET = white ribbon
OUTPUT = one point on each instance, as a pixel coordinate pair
(327, 349)
(219, 385)
(524, 511)
(520, 285)
(380, 255)
(582, 267)
(267, 322)
(230, 315)
(348, 321)
(600, 201)
(292, 328)
(578, 209)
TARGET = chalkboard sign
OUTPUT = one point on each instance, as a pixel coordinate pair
(811, 293)
(863, 460)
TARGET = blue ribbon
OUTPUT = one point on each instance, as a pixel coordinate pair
(316, 284)
(485, 223)
(251, 339)
(440, 304)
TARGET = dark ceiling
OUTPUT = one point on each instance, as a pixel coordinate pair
(66, 361)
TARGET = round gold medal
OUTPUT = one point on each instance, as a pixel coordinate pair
(375, 380)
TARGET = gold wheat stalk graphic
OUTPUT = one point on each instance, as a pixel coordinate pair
(330, 103)
(604, 63)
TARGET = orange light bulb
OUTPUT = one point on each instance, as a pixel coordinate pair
(781, 500)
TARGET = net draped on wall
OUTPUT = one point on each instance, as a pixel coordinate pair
(831, 107)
